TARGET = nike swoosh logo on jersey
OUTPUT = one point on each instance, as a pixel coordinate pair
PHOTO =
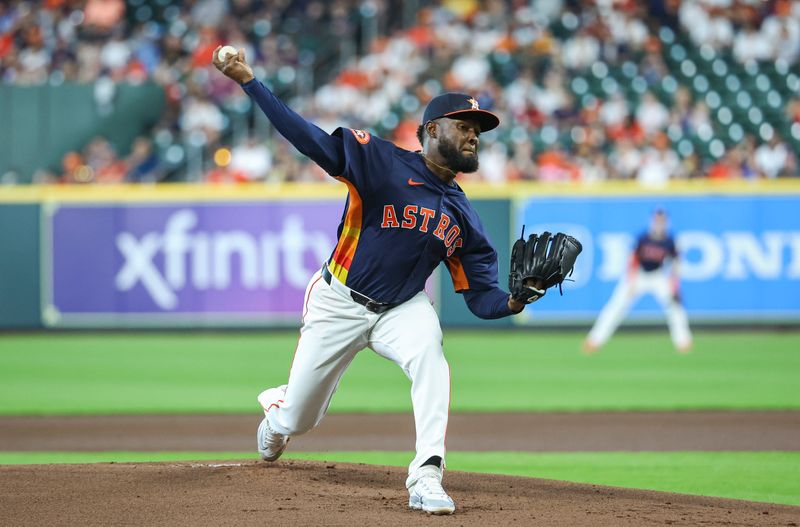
(415, 183)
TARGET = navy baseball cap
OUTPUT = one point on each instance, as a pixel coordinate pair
(457, 106)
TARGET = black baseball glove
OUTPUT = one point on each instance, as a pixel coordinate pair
(540, 263)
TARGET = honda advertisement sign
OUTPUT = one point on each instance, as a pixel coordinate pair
(739, 255)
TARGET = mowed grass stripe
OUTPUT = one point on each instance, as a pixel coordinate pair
(130, 373)
(756, 476)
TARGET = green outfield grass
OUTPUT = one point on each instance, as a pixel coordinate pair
(757, 476)
(492, 371)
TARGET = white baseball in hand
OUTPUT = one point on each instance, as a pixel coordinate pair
(224, 51)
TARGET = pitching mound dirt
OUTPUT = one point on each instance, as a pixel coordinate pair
(307, 493)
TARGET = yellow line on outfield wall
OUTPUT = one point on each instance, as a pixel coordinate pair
(309, 191)
(171, 192)
(632, 188)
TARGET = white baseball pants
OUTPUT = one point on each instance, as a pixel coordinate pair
(334, 329)
(628, 291)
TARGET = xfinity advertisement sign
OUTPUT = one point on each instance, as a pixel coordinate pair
(163, 264)
(740, 255)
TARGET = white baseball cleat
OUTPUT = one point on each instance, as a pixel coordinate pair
(426, 493)
(271, 444)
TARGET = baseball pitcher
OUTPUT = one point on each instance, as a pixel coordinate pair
(653, 270)
(404, 215)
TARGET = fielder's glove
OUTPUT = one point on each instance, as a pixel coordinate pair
(540, 263)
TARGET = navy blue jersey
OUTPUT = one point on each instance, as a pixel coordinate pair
(651, 252)
(400, 220)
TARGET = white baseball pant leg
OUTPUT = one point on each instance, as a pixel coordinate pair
(335, 329)
(411, 337)
(677, 320)
(625, 294)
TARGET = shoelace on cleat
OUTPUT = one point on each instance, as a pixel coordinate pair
(433, 486)
(272, 439)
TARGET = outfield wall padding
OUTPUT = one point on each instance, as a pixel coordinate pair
(228, 256)
(19, 266)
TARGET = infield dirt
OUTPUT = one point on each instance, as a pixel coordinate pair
(302, 493)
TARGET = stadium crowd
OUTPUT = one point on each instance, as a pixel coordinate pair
(588, 90)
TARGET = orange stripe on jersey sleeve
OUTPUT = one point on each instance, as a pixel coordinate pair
(348, 240)
(460, 282)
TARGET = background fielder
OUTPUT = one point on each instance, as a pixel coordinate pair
(653, 270)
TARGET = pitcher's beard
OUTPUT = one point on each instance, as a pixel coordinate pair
(454, 159)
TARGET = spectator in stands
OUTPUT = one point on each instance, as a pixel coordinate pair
(202, 116)
(568, 115)
(552, 95)
(727, 167)
(522, 165)
(781, 30)
(793, 110)
(116, 54)
(100, 16)
(623, 31)
(74, 170)
(658, 163)
(546, 11)
(581, 50)
(101, 158)
(252, 159)
(628, 130)
(33, 59)
(593, 165)
(747, 157)
(624, 159)
(705, 25)
(699, 118)
(405, 135)
(614, 111)
(692, 166)
(470, 70)
(143, 163)
(286, 165)
(651, 115)
(209, 13)
(494, 163)
(750, 44)
(519, 94)
(653, 69)
(773, 159)
(680, 112)
(556, 166)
